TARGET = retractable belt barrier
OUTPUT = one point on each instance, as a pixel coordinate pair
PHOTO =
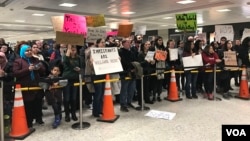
(46, 80)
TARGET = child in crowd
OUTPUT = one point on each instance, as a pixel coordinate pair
(54, 96)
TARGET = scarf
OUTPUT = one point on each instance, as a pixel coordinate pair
(22, 55)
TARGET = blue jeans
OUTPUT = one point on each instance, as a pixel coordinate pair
(98, 98)
(127, 91)
(191, 79)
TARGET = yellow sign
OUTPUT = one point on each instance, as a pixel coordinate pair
(95, 21)
(186, 22)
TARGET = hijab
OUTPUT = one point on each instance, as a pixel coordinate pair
(24, 47)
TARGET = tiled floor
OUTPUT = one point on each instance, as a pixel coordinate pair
(195, 120)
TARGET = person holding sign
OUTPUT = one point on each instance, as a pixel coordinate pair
(148, 67)
(209, 58)
(71, 68)
(191, 78)
(98, 87)
(160, 57)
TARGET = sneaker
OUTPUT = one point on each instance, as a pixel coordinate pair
(226, 96)
(210, 97)
(67, 118)
(56, 122)
(124, 109)
(73, 116)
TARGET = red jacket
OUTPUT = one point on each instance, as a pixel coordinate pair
(209, 60)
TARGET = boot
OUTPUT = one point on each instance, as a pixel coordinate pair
(73, 110)
(66, 109)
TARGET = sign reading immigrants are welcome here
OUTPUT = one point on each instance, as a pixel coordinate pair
(186, 22)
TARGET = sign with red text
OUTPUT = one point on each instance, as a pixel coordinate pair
(106, 60)
(74, 24)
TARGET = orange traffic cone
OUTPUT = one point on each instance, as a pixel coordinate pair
(108, 114)
(244, 91)
(173, 95)
(19, 127)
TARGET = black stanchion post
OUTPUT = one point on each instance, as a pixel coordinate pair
(80, 125)
(215, 98)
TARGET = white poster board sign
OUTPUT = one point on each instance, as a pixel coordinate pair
(94, 34)
(192, 61)
(224, 30)
(150, 55)
(140, 30)
(246, 33)
(106, 60)
(173, 54)
(160, 114)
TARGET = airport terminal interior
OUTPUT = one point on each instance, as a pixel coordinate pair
(186, 119)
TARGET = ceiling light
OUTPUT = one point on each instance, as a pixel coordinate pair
(128, 13)
(37, 14)
(223, 10)
(248, 17)
(68, 4)
(164, 25)
(186, 1)
(20, 21)
(166, 18)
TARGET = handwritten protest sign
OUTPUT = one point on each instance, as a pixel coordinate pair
(74, 24)
(246, 33)
(186, 22)
(69, 38)
(160, 55)
(192, 61)
(230, 59)
(94, 34)
(140, 30)
(224, 30)
(150, 55)
(173, 54)
(124, 30)
(57, 22)
(106, 60)
(95, 21)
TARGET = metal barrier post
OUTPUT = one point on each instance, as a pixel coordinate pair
(1, 111)
(80, 125)
(215, 98)
(142, 95)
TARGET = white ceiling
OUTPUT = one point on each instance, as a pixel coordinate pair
(148, 12)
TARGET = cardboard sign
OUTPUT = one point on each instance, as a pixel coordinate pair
(230, 59)
(57, 22)
(160, 55)
(125, 30)
(69, 38)
(186, 22)
(74, 24)
(95, 21)
(173, 54)
(192, 61)
(94, 34)
(106, 60)
(140, 30)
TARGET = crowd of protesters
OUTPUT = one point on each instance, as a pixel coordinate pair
(28, 62)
